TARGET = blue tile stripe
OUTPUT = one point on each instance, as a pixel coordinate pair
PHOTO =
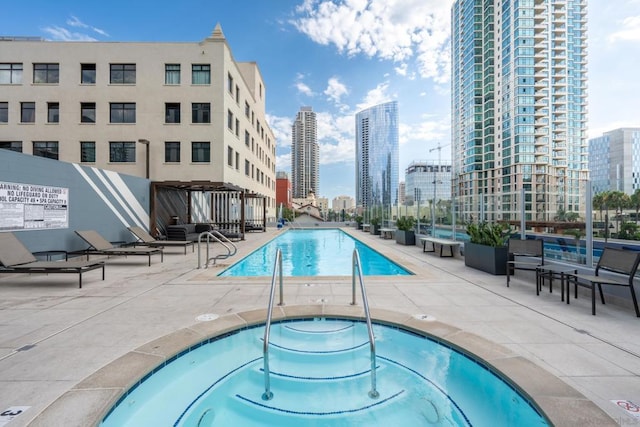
(357, 374)
(328, 331)
(295, 350)
(346, 411)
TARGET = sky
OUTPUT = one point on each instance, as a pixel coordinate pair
(342, 56)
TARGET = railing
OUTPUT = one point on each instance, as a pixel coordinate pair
(220, 238)
(373, 393)
(277, 272)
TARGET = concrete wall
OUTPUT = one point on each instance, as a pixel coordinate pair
(99, 200)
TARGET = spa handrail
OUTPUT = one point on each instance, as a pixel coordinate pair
(220, 238)
(357, 265)
(277, 272)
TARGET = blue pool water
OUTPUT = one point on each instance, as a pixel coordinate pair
(314, 253)
(321, 377)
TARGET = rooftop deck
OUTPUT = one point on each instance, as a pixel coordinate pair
(53, 336)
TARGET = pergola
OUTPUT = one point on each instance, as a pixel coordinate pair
(173, 201)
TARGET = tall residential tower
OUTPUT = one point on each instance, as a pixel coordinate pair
(519, 105)
(305, 154)
(377, 156)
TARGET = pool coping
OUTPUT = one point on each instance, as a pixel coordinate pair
(89, 401)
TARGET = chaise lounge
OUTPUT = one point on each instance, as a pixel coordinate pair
(146, 239)
(98, 245)
(16, 258)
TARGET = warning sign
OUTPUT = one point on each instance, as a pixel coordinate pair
(33, 207)
(629, 407)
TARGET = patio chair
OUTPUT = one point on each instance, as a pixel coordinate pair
(16, 258)
(527, 254)
(98, 245)
(146, 239)
(620, 261)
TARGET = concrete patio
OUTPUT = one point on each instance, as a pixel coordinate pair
(60, 345)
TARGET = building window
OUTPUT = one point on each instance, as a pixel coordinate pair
(172, 74)
(46, 73)
(246, 138)
(4, 112)
(10, 74)
(172, 112)
(230, 83)
(27, 112)
(237, 95)
(200, 112)
(200, 152)
(247, 109)
(53, 112)
(122, 152)
(229, 155)
(88, 74)
(247, 169)
(237, 128)
(122, 74)
(229, 119)
(200, 74)
(172, 152)
(87, 112)
(122, 112)
(237, 161)
(48, 149)
(11, 146)
(87, 151)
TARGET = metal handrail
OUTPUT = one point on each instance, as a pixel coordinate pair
(209, 235)
(373, 393)
(277, 270)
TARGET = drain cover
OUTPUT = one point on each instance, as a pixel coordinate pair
(207, 317)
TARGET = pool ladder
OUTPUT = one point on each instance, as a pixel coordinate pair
(217, 237)
(277, 273)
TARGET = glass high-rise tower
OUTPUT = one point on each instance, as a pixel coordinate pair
(377, 154)
(519, 106)
(305, 154)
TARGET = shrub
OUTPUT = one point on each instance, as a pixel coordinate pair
(405, 223)
(495, 234)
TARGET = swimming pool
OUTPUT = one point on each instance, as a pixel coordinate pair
(320, 377)
(314, 252)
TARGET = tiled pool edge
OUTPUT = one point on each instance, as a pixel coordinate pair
(89, 401)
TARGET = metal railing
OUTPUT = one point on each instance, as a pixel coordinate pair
(356, 265)
(277, 273)
(220, 238)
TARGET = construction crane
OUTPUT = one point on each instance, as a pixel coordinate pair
(439, 147)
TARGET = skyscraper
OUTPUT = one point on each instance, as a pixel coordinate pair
(377, 156)
(519, 107)
(305, 154)
(614, 161)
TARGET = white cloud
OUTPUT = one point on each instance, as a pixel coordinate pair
(75, 22)
(630, 30)
(396, 30)
(63, 34)
(302, 87)
(375, 96)
(335, 90)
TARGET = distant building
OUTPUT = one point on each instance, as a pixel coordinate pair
(377, 156)
(284, 195)
(428, 179)
(345, 203)
(519, 107)
(323, 205)
(305, 154)
(402, 193)
(614, 161)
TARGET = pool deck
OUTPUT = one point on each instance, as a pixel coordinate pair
(67, 353)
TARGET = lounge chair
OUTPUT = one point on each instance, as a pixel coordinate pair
(146, 239)
(16, 258)
(98, 245)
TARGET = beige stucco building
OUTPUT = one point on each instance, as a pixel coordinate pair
(179, 112)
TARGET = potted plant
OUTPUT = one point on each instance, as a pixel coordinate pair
(404, 233)
(375, 225)
(486, 249)
(358, 220)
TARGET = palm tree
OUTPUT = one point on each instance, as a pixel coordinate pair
(635, 202)
(618, 200)
(598, 202)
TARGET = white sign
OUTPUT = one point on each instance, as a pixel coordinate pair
(631, 408)
(33, 207)
(11, 413)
